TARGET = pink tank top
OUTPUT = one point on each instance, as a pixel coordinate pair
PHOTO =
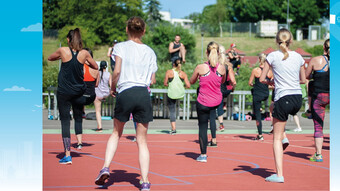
(209, 93)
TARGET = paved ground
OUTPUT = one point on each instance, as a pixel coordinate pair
(184, 127)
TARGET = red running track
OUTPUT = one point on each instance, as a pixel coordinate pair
(238, 163)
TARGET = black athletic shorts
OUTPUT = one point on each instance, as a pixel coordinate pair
(289, 104)
(135, 100)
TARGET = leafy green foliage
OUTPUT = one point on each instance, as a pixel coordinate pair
(152, 12)
(243, 78)
(50, 74)
(90, 39)
(316, 50)
(163, 34)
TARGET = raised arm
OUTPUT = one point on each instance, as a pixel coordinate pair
(55, 56)
(309, 69)
(116, 75)
(231, 75)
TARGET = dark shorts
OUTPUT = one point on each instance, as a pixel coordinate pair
(135, 100)
(287, 105)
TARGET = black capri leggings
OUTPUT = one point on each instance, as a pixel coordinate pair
(64, 103)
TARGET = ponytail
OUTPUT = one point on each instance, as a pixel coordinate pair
(326, 46)
(213, 57)
(75, 41)
(283, 38)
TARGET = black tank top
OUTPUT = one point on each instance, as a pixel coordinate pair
(226, 83)
(175, 54)
(321, 80)
(259, 88)
(71, 77)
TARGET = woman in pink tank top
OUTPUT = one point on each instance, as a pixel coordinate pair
(210, 74)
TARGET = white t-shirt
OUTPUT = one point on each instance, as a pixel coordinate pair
(286, 73)
(139, 62)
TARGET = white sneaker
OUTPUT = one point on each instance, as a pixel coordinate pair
(297, 129)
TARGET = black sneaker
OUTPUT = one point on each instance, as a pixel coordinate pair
(79, 146)
(172, 132)
(211, 144)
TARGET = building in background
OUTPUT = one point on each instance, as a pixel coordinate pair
(185, 23)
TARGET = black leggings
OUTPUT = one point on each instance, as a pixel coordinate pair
(257, 99)
(203, 113)
(172, 109)
(64, 103)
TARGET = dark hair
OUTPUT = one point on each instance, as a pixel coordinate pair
(74, 38)
(177, 64)
(136, 26)
(178, 35)
(326, 46)
(90, 51)
(102, 66)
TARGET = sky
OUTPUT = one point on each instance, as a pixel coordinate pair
(21, 90)
(181, 8)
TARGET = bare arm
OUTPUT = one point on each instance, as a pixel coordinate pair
(309, 68)
(195, 75)
(55, 56)
(230, 55)
(231, 76)
(97, 79)
(109, 52)
(186, 81)
(172, 49)
(89, 60)
(116, 75)
(264, 73)
(153, 78)
(110, 80)
(251, 79)
(166, 78)
(302, 75)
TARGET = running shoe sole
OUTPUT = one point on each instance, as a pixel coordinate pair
(102, 178)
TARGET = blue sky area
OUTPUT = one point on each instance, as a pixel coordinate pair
(21, 90)
(182, 8)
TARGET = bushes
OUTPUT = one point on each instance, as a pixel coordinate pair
(160, 37)
(50, 74)
(316, 50)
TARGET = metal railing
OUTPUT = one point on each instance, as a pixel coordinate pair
(186, 107)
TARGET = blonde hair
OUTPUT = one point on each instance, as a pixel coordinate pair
(262, 58)
(221, 56)
(283, 38)
(212, 50)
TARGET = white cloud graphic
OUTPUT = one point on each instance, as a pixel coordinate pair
(33, 28)
(38, 105)
(16, 89)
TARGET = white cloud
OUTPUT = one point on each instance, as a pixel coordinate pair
(332, 19)
(33, 28)
(38, 105)
(16, 89)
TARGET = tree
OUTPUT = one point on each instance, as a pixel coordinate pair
(50, 14)
(152, 12)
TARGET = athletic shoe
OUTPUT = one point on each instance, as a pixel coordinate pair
(297, 129)
(145, 186)
(173, 132)
(316, 158)
(221, 128)
(259, 137)
(134, 139)
(275, 178)
(103, 175)
(211, 144)
(202, 158)
(66, 160)
(79, 146)
(285, 143)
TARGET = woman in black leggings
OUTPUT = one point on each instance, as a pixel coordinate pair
(71, 86)
(260, 93)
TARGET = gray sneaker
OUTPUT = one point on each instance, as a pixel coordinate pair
(201, 158)
(103, 175)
